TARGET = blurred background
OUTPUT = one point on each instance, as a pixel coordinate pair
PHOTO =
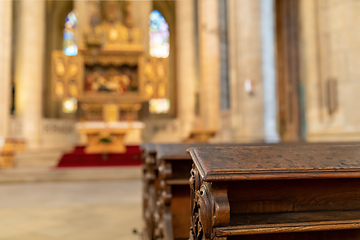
(264, 70)
(84, 82)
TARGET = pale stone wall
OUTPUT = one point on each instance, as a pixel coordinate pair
(176, 130)
(331, 50)
(185, 59)
(268, 33)
(142, 10)
(209, 57)
(29, 68)
(245, 63)
(5, 66)
(82, 9)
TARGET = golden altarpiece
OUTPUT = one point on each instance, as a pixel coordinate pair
(111, 74)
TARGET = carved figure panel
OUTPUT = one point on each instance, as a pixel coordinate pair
(111, 66)
(118, 79)
(111, 77)
(156, 77)
(67, 73)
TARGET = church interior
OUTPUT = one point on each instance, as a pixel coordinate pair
(97, 97)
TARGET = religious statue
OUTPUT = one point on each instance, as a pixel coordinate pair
(113, 30)
(116, 27)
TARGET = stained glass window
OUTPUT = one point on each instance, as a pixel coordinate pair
(70, 47)
(159, 35)
(160, 105)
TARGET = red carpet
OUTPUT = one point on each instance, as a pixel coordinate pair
(78, 158)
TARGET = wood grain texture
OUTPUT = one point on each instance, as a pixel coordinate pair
(180, 209)
(276, 192)
(322, 235)
(277, 162)
(294, 195)
(291, 222)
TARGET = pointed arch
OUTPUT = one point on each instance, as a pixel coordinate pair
(159, 35)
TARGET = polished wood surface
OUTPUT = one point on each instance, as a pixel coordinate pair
(276, 192)
(173, 212)
(277, 162)
(166, 193)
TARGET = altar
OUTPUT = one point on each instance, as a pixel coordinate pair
(111, 137)
(108, 80)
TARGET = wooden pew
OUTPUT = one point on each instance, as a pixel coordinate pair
(166, 189)
(154, 206)
(150, 188)
(174, 165)
(302, 192)
(173, 215)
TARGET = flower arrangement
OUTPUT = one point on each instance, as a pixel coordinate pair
(105, 138)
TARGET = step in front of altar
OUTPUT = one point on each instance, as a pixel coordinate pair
(45, 174)
(79, 158)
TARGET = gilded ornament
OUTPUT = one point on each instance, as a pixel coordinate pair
(59, 89)
(60, 67)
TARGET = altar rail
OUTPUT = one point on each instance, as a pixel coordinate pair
(57, 133)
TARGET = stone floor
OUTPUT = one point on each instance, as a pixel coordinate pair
(91, 210)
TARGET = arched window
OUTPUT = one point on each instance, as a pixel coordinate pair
(160, 48)
(159, 35)
(160, 105)
(69, 46)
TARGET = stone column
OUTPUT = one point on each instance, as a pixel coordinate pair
(29, 67)
(247, 107)
(312, 67)
(233, 70)
(268, 68)
(185, 53)
(141, 14)
(82, 9)
(5, 65)
(209, 57)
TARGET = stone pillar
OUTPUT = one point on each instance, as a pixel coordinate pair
(5, 65)
(312, 68)
(185, 52)
(82, 9)
(209, 57)
(245, 48)
(141, 14)
(268, 68)
(234, 87)
(29, 67)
